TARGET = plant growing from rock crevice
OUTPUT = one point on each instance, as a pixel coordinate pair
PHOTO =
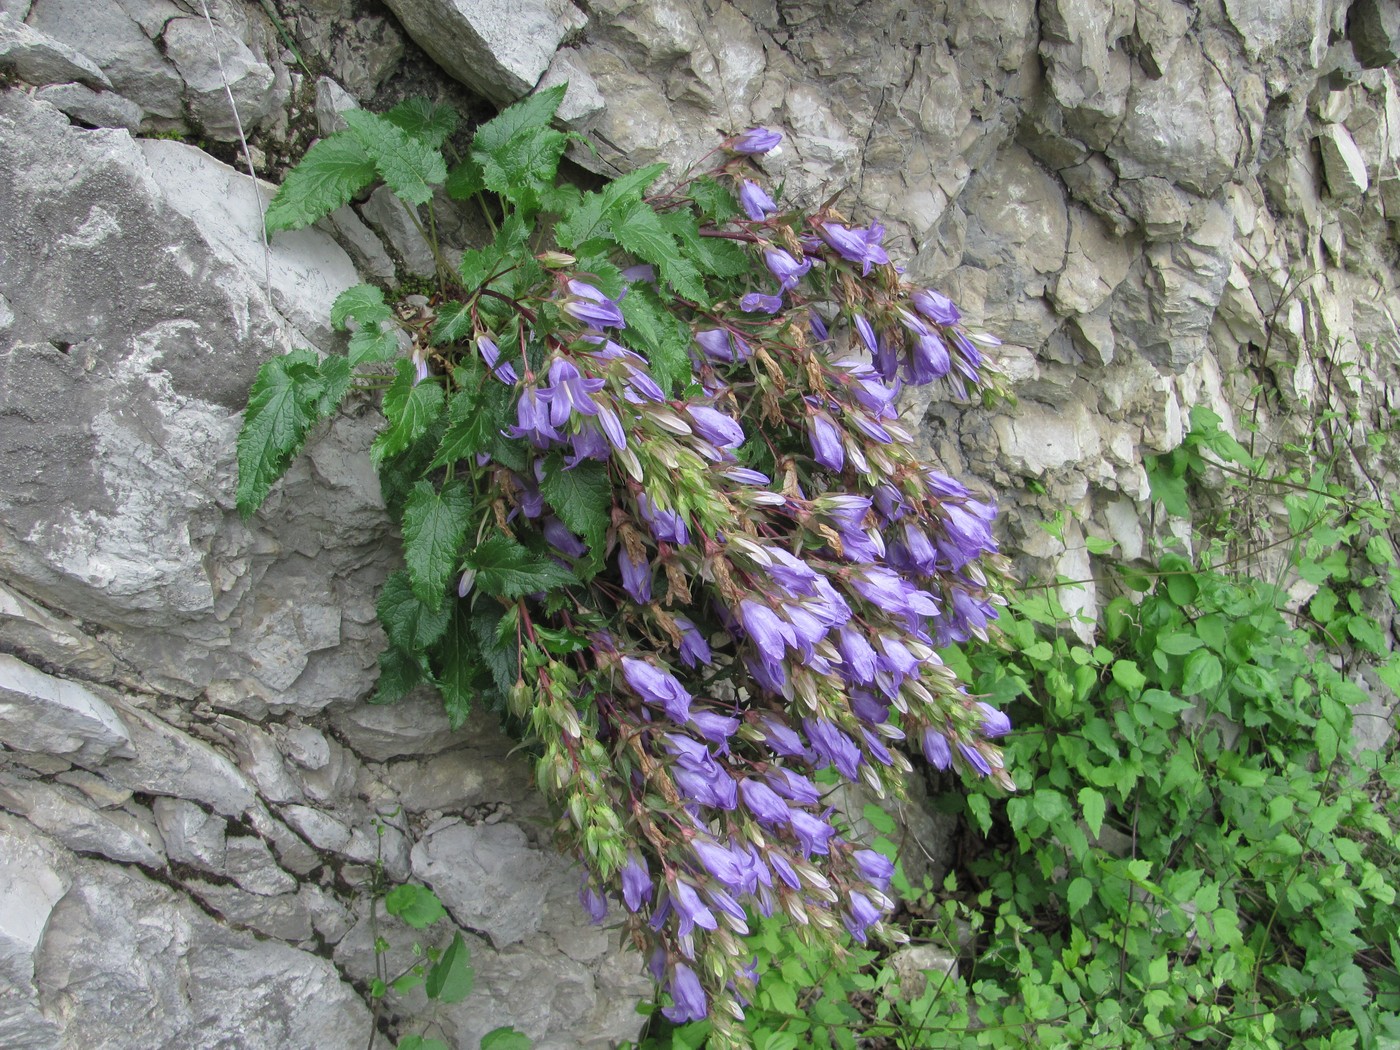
(658, 506)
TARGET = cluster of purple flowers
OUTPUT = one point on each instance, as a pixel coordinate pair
(774, 595)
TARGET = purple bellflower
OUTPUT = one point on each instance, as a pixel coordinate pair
(994, 722)
(587, 304)
(756, 203)
(755, 141)
(491, 354)
(687, 997)
(723, 346)
(936, 307)
(636, 576)
(825, 438)
(757, 302)
(856, 245)
(763, 802)
(694, 648)
(785, 268)
(658, 687)
(936, 749)
(636, 883)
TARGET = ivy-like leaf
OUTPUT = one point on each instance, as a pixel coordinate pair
(434, 525)
(416, 905)
(331, 173)
(373, 343)
(399, 672)
(621, 192)
(536, 111)
(451, 978)
(410, 167)
(582, 498)
(713, 200)
(430, 121)
(640, 230)
(476, 415)
(410, 408)
(507, 570)
(510, 1039)
(282, 406)
(362, 303)
(410, 623)
(713, 255)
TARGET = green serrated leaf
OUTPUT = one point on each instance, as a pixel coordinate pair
(430, 121)
(282, 406)
(373, 343)
(466, 180)
(639, 229)
(434, 526)
(507, 570)
(362, 303)
(621, 192)
(453, 322)
(475, 418)
(714, 200)
(399, 672)
(1079, 892)
(716, 256)
(521, 168)
(582, 499)
(506, 1039)
(583, 223)
(331, 173)
(536, 111)
(451, 978)
(501, 656)
(460, 666)
(409, 622)
(416, 905)
(666, 339)
(410, 168)
(411, 408)
(336, 380)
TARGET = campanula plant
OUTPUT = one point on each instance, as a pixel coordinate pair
(659, 508)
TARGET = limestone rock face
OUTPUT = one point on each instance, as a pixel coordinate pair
(194, 799)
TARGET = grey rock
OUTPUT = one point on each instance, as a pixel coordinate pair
(169, 762)
(456, 780)
(362, 243)
(64, 814)
(416, 725)
(191, 835)
(320, 829)
(1342, 162)
(382, 845)
(134, 964)
(41, 713)
(916, 963)
(391, 217)
(1374, 29)
(212, 65)
(334, 779)
(292, 852)
(260, 759)
(249, 863)
(1089, 73)
(285, 917)
(100, 109)
(488, 877)
(1271, 26)
(331, 101)
(117, 43)
(32, 880)
(36, 58)
(103, 793)
(499, 47)
(582, 100)
(305, 746)
(31, 630)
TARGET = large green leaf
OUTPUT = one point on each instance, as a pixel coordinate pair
(621, 192)
(409, 622)
(411, 408)
(434, 525)
(282, 405)
(430, 121)
(640, 230)
(410, 167)
(582, 499)
(459, 665)
(451, 978)
(667, 339)
(363, 303)
(331, 173)
(475, 417)
(399, 671)
(507, 570)
(536, 111)
(416, 905)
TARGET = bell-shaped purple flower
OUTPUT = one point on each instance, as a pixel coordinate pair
(570, 392)
(636, 576)
(757, 302)
(875, 868)
(755, 201)
(558, 536)
(825, 438)
(694, 648)
(688, 1002)
(975, 759)
(723, 346)
(856, 245)
(706, 786)
(936, 307)
(867, 333)
(936, 750)
(812, 832)
(658, 687)
(715, 427)
(994, 722)
(794, 786)
(491, 354)
(636, 883)
(720, 862)
(768, 632)
(782, 740)
(861, 914)
(691, 909)
(587, 304)
(715, 727)
(834, 746)
(763, 802)
(785, 268)
(594, 903)
(755, 141)
(666, 525)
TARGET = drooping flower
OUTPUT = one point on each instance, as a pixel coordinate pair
(875, 868)
(595, 905)
(812, 832)
(569, 392)
(785, 268)
(936, 750)
(975, 758)
(936, 307)
(994, 722)
(834, 746)
(658, 687)
(755, 141)
(715, 727)
(691, 908)
(666, 525)
(491, 354)
(867, 334)
(694, 648)
(757, 302)
(558, 536)
(825, 439)
(861, 914)
(688, 1002)
(763, 802)
(589, 305)
(856, 245)
(755, 201)
(794, 786)
(723, 346)
(636, 882)
(636, 576)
